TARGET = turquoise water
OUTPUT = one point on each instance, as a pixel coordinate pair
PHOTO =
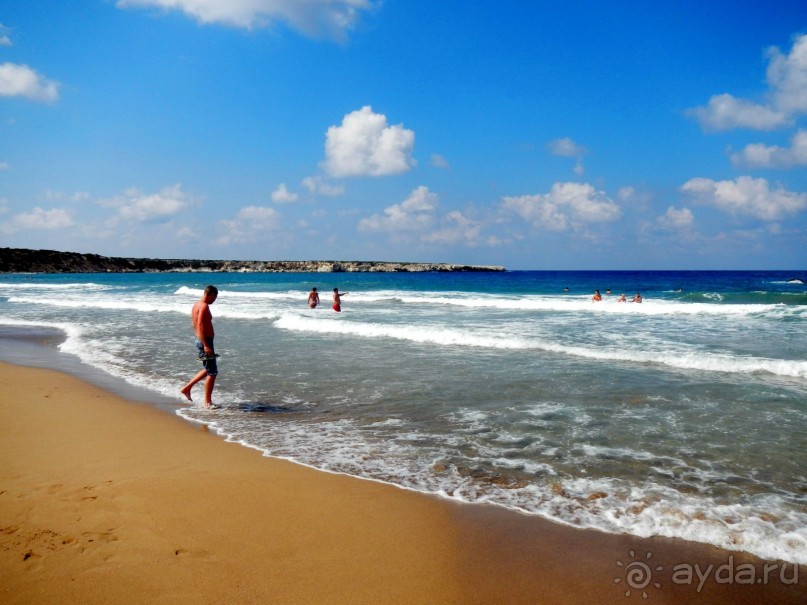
(684, 416)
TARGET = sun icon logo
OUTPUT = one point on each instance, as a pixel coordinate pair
(638, 574)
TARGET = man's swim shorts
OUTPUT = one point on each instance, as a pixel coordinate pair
(209, 364)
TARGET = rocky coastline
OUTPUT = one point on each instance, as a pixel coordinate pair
(23, 260)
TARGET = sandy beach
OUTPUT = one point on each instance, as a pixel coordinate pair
(103, 500)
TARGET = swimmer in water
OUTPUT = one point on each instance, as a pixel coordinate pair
(337, 300)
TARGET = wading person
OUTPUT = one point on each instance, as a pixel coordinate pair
(203, 330)
(337, 300)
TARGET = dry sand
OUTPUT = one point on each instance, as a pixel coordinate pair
(108, 501)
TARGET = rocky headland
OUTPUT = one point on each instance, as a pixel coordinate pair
(23, 260)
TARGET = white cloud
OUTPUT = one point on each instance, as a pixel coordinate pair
(61, 196)
(675, 219)
(259, 217)
(365, 146)
(282, 195)
(785, 99)
(5, 166)
(787, 75)
(40, 219)
(316, 18)
(5, 39)
(415, 213)
(631, 196)
(567, 205)
(439, 161)
(567, 148)
(759, 155)
(460, 229)
(248, 224)
(317, 186)
(22, 81)
(746, 196)
(136, 206)
(725, 112)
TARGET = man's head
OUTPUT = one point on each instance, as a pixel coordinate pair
(211, 293)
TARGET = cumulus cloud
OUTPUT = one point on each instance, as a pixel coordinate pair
(249, 223)
(414, 213)
(567, 205)
(365, 146)
(282, 195)
(567, 148)
(39, 219)
(725, 112)
(675, 219)
(460, 229)
(315, 18)
(22, 81)
(785, 99)
(318, 186)
(787, 76)
(759, 155)
(746, 196)
(136, 206)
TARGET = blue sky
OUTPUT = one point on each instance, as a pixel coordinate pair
(530, 134)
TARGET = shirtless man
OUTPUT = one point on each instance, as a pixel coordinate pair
(203, 330)
(337, 300)
(313, 298)
(637, 298)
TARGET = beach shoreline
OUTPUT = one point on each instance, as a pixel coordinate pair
(104, 501)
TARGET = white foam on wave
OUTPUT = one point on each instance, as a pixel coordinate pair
(142, 305)
(291, 295)
(680, 359)
(576, 304)
(419, 334)
(72, 332)
(107, 358)
(37, 286)
(111, 303)
(765, 525)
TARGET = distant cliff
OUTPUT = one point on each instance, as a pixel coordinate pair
(22, 260)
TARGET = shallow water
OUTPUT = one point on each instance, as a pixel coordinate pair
(682, 416)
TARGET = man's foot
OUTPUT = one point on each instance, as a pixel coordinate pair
(187, 392)
(211, 406)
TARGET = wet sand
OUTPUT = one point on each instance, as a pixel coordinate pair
(104, 500)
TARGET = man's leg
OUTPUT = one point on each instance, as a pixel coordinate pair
(209, 383)
(186, 390)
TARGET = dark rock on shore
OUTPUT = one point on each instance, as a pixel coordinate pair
(23, 260)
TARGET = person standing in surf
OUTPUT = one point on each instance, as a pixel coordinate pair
(337, 300)
(203, 330)
(313, 298)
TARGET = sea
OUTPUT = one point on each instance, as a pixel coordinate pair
(684, 415)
